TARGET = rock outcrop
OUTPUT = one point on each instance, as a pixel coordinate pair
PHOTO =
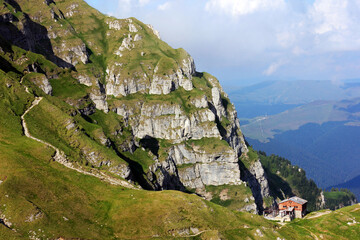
(256, 178)
(199, 168)
(42, 82)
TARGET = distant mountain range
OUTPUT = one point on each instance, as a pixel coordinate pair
(315, 124)
(272, 97)
(295, 92)
(264, 128)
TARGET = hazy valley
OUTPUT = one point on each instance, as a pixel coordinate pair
(316, 129)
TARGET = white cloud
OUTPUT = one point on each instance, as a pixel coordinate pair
(124, 6)
(298, 51)
(286, 39)
(242, 7)
(330, 15)
(128, 6)
(313, 36)
(326, 26)
(143, 2)
(274, 67)
(164, 6)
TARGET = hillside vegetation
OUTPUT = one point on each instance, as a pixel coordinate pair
(336, 198)
(287, 180)
(353, 185)
(98, 115)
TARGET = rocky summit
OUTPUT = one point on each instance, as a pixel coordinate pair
(98, 110)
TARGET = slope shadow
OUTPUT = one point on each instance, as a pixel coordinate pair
(150, 143)
(136, 169)
(14, 4)
(149, 181)
(278, 187)
(33, 37)
(247, 176)
(6, 66)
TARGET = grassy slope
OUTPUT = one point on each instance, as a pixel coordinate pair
(235, 196)
(336, 225)
(75, 205)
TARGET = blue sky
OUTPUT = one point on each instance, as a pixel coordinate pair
(247, 41)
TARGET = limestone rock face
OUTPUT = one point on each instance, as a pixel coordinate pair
(188, 166)
(210, 174)
(169, 122)
(256, 178)
(258, 172)
(200, 102)
(43, 83)
(72, 54)
(151, 78)
(216, 97)
(252, 208)
(117, 85)
(100, 102)
(121, 170)
(114, 24)
(201, 169)
(127, 44)
(234, 136)
(167, 177)
(84, 79)
(206, 168)
(99, 98)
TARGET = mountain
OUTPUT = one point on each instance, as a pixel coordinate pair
(99, 115)
(273, 97)
(108, 94)
(296, 91)
(309, 136)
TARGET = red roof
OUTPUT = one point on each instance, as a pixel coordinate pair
(295, 199)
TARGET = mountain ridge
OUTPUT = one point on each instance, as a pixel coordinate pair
(121, 105)
(295, 91)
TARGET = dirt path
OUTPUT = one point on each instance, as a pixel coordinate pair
(196, 234)
(26, 88)
(61, 158)
(319, 214)
(356, 209)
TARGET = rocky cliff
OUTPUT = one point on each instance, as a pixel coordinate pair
(120, 99)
